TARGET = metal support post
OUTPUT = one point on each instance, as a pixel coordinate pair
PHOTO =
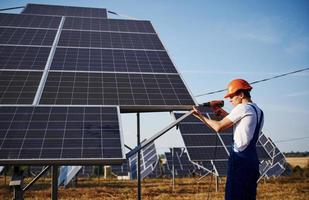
(217, 183)
(173, 169)
(139, 185)
(54, 189)
(17, 182)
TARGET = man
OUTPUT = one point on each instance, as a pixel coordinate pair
(243, 164)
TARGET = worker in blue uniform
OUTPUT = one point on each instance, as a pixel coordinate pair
(243, 163)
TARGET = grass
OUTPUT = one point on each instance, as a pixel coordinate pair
(288, 188)
(298, 161)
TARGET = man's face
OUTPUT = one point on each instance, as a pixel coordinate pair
(236, 99)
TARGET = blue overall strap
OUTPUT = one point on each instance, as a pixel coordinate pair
(258, 124)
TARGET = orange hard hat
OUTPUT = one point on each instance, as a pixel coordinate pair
(235, 85)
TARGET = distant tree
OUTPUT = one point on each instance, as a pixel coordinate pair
(297, 154)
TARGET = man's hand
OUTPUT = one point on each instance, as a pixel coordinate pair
(198, 114)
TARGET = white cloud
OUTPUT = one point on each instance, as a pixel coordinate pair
(298, 94)
(261, 29)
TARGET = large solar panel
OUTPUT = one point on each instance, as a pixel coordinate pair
(207, 148)
(72, 58)
(40, 9)
(63, 135)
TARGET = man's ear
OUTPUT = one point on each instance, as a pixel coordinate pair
(242, 95)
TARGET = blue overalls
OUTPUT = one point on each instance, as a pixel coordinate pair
(243, 169)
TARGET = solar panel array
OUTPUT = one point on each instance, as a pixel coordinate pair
(148, 162)
(56, 61)
(179, 159)
(205, 147)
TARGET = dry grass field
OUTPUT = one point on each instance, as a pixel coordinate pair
(300, 161)
(287, 188)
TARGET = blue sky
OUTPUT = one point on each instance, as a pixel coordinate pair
(212, 42)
